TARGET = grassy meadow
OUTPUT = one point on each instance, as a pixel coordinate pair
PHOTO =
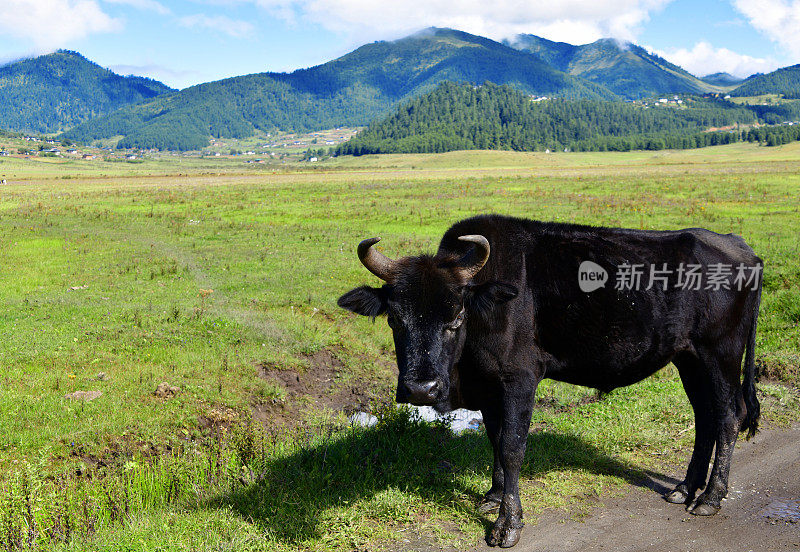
(221, 279)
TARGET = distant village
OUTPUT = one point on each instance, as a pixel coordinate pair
(281, 147)
(46, 147)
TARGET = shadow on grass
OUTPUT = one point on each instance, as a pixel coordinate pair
(306, 492)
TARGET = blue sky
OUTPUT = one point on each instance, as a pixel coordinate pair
(185, 42)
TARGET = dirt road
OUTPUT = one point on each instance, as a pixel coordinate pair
(761, 513)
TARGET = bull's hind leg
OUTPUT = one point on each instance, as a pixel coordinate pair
(727, 406)
(697, 384)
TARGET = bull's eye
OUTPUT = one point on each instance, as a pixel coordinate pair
(455, 324)
(392, 320)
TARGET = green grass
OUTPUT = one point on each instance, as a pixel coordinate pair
(108, 269)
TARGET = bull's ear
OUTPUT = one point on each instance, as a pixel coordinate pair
(483, 298)
(365, 300)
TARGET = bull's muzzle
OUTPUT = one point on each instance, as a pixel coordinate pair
(419, 393)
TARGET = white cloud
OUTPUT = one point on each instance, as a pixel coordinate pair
(150, 5)
(575, 21)
(703, 59)
(49, 24)
(220, 23)
(779, 20)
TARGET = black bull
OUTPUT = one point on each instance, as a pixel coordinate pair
(501, 306)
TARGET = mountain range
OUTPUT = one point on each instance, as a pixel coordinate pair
(352, 90)
(348, 91)
(626, 69)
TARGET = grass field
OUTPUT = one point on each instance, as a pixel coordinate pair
(221, 280)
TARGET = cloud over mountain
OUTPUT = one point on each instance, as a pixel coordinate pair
(704, 58)
(575, 21)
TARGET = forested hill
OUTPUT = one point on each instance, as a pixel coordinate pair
(785, 81)
(57, 91)
(455, 117)
(624, 68)
(349, 91)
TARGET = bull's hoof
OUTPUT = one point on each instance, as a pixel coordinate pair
(511, 537)
(505, 533)
(704, 509)
(488, 505)
(677, 496)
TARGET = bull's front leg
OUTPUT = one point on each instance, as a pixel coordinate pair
(517, 409)
(493, 421)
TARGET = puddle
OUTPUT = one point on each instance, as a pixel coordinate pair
(783, 509)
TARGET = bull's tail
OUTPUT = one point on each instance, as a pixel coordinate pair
(750, 421)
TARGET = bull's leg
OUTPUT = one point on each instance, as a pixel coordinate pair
(697, 385)
(517, 410)
(492, 419)
(726, 395)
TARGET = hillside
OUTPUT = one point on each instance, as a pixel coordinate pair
(722, 79)
(785, 81)
(624, 68)
(59, 90)
(455, 117)
(349, 91)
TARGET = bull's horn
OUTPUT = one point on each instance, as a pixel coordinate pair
(471, 263)
(376, 262)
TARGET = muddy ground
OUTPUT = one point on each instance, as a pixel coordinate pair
(761, 513)
(323, 386)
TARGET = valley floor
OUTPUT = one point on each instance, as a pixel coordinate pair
(221, 281)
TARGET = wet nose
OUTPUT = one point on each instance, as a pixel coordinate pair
(419, 393)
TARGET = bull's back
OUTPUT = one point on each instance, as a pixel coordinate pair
(623, 331)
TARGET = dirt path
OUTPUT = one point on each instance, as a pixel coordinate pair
(763, 500)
